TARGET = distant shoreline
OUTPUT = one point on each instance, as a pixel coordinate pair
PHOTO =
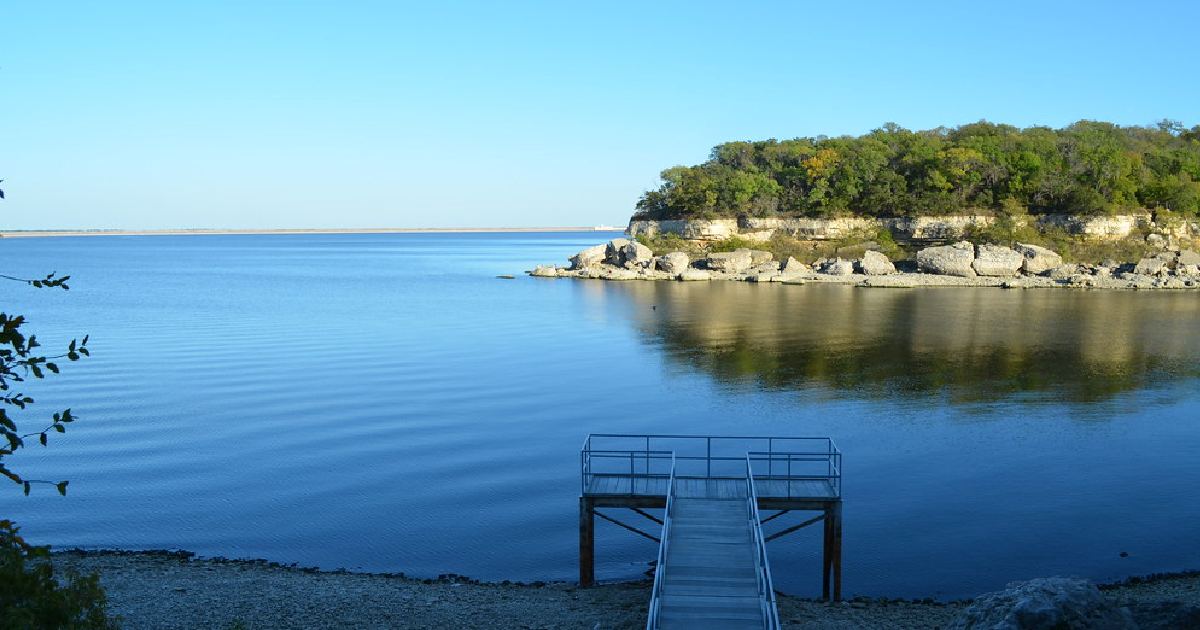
(186, 231)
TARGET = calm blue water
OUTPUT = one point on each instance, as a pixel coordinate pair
(383, 403)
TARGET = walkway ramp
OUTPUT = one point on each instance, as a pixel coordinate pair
(710, 578)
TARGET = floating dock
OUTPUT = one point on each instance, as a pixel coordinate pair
(712, 568)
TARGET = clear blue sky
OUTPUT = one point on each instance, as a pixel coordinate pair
(370, 114)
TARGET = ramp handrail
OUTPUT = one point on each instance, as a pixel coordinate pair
(664, 540)
(762, 566)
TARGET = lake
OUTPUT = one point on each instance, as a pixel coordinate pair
(385, 403)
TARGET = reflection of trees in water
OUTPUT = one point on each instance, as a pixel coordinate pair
(971, 344)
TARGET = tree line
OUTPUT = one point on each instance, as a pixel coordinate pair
(1087, 168)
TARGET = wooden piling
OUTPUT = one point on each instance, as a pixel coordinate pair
(587, 541)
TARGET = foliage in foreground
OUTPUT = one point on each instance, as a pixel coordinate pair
(1084, 169)
(31, 596)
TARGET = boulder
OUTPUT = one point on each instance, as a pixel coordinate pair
(997, 260)
(634, 254)
(791, 266)
(1153, 265)
(758, 257)
(948, 260)
(545, 271)
(1038, 260)
(1187, 257)
(614, 253)
(589, 257)
(876, 264)
(674, 262)
(733, 262)
(1064, 272)
(689, 275)
(837, 267)
(1044, 604)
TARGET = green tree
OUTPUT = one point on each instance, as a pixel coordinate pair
(30, 595)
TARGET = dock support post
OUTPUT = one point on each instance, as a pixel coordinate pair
(587, 541)
(831, 572)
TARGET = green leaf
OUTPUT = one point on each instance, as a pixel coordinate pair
(26, 484)
(42, 438)
(53, 367)
(60, 428)
(62, 487)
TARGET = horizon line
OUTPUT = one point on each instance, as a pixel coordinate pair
(385, 230)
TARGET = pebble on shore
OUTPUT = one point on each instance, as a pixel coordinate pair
(176, 590)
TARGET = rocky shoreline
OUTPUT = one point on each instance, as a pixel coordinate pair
(176, 590)
(959, 264)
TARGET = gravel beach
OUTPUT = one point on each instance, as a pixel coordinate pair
(174, 590)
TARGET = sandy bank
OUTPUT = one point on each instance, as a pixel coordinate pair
(158, 590)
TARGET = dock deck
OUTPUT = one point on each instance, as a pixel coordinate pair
(712, 568)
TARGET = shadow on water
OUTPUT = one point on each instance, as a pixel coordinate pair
(969, 345)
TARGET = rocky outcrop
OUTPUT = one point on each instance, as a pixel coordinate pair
(1045, 604)
(1037, 259)
(961, 264)
(997, 260)
(875, 264)
(589, 257)
(735, 261)
(674, 262)
(948, 260)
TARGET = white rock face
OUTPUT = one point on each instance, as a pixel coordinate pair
(589, 257)
(948, 260)
(691, 275)
(732, 262)
(876, 264)
(997, 260)
(544, 271)
(674, 262)
(1038, 260)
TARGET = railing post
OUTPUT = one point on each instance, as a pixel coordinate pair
(708, 457)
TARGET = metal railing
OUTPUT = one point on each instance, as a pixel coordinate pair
(643, 457)
(660, 568)
(762, 567)
(794, 468)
